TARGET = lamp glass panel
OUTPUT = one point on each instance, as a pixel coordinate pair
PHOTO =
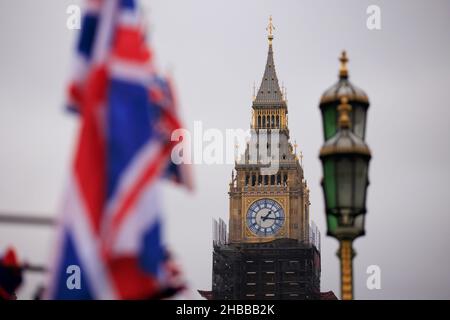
(344, 177)
(330, 121)
(329, 183)
(358, 120)
(360, 183)
(332, 223)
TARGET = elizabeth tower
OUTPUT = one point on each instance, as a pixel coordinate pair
(271, 251)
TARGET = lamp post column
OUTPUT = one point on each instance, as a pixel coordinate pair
(346, 254)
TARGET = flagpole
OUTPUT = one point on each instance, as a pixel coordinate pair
(26, 219)
(33, 268)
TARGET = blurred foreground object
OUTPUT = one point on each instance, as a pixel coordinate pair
(10, 275)
(110, 232)
(345, 160)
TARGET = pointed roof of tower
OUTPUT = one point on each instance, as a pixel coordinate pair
(269, 92)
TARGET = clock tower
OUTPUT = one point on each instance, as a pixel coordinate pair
(266, 206)
(270, 251)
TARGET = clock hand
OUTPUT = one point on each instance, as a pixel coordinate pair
(276, 218)
(266, 216)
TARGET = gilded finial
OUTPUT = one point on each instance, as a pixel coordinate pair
(343, 72)
(270, 28)
(344, 109)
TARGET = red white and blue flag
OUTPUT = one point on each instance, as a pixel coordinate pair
(111, 221)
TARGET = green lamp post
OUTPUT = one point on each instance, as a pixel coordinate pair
(345, 160)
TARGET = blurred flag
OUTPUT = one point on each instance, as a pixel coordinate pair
(111, 222)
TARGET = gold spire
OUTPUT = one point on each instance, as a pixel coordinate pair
(344, 109)
(343, 72)
(270, 29)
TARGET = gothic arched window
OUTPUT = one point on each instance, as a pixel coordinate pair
(259, 121)
(253, 179)
(266, 180)
(278, 121)
(264, 121)
(247, 179)
(272, 180)
(272, 123)
(278, 178)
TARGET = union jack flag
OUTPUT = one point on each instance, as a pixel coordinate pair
(111, 218)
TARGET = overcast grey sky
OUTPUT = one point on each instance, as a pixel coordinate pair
(216, 49)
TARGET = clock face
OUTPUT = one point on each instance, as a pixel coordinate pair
(265, 217)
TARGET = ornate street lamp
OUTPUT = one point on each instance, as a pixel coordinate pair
(345, 159)
(331, 99)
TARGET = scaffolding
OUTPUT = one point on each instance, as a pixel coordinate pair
(279, 269)
(314, 235)
(220, 235)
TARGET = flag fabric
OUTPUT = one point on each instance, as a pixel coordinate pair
(179, 173)
(111, 222)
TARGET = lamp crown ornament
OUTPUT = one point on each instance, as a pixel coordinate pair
(343, 71)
